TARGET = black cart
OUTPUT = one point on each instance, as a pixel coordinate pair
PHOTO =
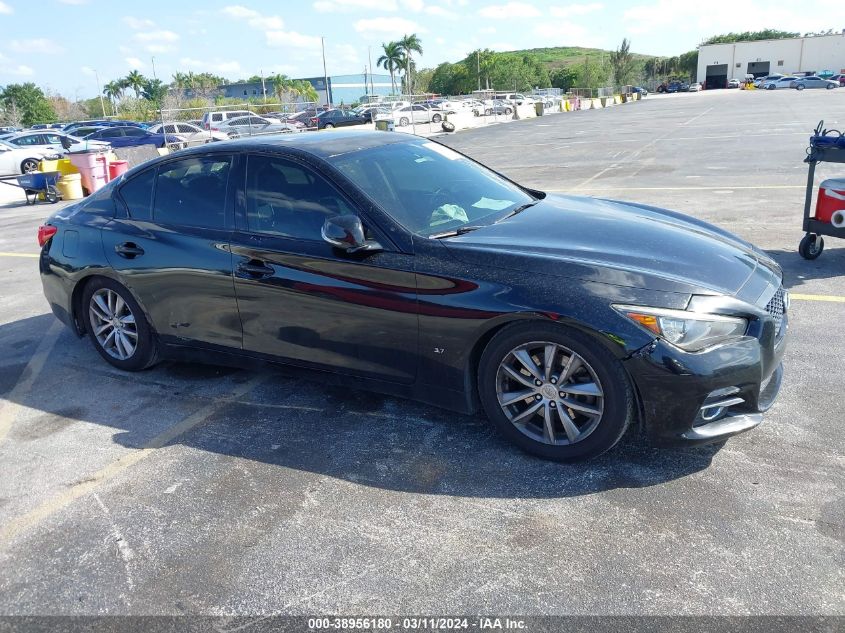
(826, 146)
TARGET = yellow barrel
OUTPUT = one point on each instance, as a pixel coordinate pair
(48, 165)
(66, 167)
(70, 186)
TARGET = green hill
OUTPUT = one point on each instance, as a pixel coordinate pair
(560, 56)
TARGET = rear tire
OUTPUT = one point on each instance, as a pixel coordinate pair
(799, 87)
(562, 428)
(117, 326)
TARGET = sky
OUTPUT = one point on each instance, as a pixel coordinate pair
(67, 45)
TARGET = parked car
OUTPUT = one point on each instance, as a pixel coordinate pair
(758, 83)
(54, 142)
(694, 87)
(390, 261)
(839, 78)
(733, 83)
(71, 128)
(514, 97)
(189, 134)
(336, 117)
(131, 136)
(673, 86)
(9, 129)
(370, 113)
(212, 120)
(417, 113)
(255, 125)
(16, 160)
(497, 107)
(302, 119)
(779, 83)
(640, 90)
(813, 82)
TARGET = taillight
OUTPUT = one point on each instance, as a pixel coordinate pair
(314, 121)
(45, 232)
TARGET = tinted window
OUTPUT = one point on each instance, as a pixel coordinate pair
(286, 199)
(108, 133)
(192, 192)
(137, 195)
(134, 131)
(32, 139)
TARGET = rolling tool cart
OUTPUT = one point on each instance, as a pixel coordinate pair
(826, 146)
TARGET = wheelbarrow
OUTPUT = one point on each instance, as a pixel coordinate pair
(36, 184)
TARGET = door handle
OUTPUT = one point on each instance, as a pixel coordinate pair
(128, 250)
(255, 269)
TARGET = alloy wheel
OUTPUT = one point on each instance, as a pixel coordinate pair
(113, 324)
(30, 166)
(549, 393)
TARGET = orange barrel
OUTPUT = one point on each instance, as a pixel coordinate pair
(118, 167)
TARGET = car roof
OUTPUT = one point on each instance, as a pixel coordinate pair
(321, 145)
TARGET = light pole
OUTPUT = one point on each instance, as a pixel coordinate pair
(100, 93)
(325, 73)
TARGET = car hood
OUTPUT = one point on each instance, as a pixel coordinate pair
(619, 243)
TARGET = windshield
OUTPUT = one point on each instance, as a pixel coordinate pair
(430, 189)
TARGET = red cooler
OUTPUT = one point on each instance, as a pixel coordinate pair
(831, 198)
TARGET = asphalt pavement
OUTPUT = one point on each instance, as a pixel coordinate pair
(192, 489)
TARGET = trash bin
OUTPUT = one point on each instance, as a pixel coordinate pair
(118, 167)
(385, 125)
(538, 107)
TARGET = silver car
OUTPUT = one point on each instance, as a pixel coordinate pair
(813, 82)
(190, 133)
(254, 125)
(53, 142)
(777, 84)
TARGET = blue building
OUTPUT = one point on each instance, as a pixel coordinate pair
(341, 89)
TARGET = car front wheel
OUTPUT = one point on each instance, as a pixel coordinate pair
(830, 86)
(328, 126)
(436, 118)
(29, 166)
(799, 87)
(117, 327)
(554, 392)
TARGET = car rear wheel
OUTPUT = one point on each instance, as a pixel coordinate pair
(436, 118)
(554, 392)
(29, 166)
(117, 326)
(799, 87)
(770, 87)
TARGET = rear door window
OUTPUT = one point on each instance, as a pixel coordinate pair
(192, 192)
(137, 195)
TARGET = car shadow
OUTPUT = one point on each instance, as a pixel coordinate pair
(798, 271)
(288, 422)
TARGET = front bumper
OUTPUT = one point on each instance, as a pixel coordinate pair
(680, 391)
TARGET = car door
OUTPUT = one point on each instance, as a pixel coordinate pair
(304, 301)
(169, 244)
(135, 136)
(9, 164)
(113, 135)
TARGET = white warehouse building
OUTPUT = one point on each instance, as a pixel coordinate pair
(717, 63)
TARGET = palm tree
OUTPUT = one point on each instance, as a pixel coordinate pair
(305, 90)
(135, 80)
(113, 91)
(282, 85)
(409, 44)
(391, 61)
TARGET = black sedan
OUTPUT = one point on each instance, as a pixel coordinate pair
(394, 263)
(336, 118)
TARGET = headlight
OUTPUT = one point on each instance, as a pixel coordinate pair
(691, 331)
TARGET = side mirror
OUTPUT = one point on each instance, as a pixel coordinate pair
(347, 233)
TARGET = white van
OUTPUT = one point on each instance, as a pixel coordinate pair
(210, 119)
(514, 97)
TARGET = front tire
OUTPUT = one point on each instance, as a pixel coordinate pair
(117, 326)
(799, 87)
(554, 392)
(830, 87)
(403, 122)
(328, 126)
(29, 166)
(436, 118)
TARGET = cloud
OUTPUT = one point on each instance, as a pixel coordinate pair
(134, 63)
(348, 6)
(509, 11)
(392, 26)
(6, 9)
(136, 24)
(255, 19)
(7, 67)
(37, 45)
(293, 39)
(159, 48)
(87, 70)
(576, 9)
(156, 36)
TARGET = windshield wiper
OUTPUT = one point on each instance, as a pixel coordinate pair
(458, 231)
(520, 209)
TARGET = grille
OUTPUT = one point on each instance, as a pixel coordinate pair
(775, 308)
